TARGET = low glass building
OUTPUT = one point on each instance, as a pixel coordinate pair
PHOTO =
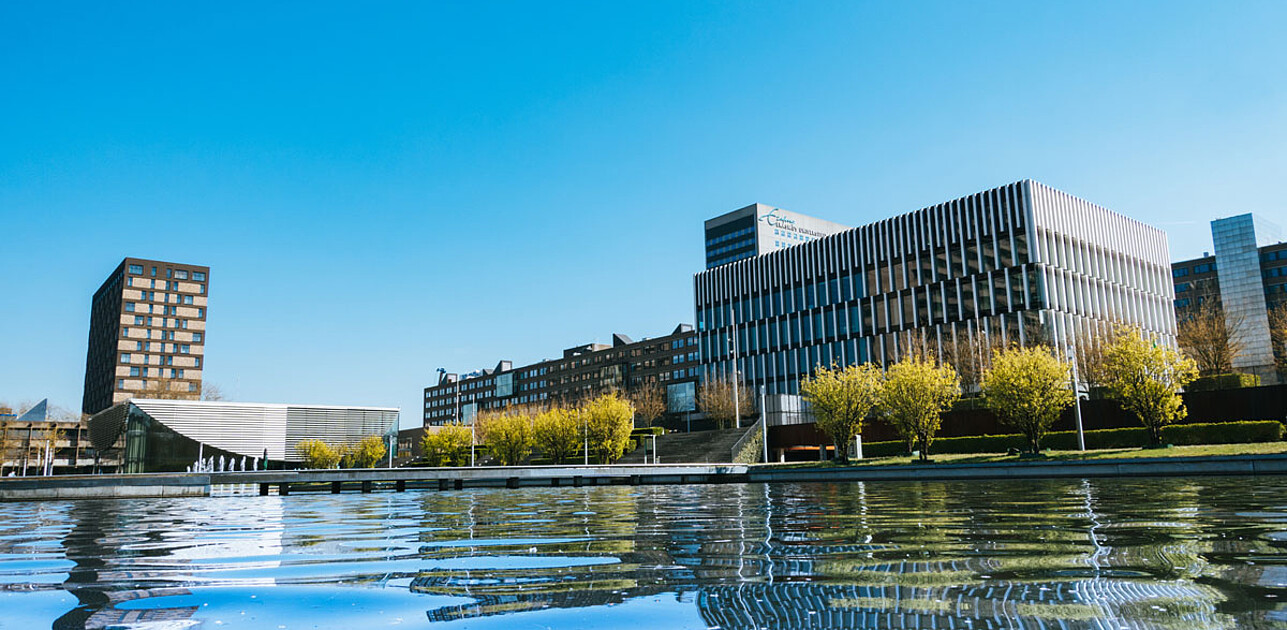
(143, 435)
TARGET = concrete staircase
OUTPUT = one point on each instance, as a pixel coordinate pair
(689, 448)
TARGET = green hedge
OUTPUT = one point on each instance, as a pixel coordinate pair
(1233, 380)
(1180, 434)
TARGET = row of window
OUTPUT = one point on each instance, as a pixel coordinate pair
(164, 360)
(750, 242)
(1275, 255)
(165, 284)
(144, 320)
(172, 323)
(792, 236)
(178, 274)
(158, 372)
(157, 309)
(120, 385)
(1180, 272)
(730, 236)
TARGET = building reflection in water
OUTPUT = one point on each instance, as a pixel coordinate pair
(117, 562)
(831, 556)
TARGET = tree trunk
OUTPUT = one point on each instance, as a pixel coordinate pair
(924, 445)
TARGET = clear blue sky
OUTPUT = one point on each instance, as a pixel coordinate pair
(381, 189)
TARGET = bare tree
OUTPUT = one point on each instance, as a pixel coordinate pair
(211, 391)
(649, 401)
(970, 356)
(9, 441)
(715, 397)
(1088, 348)
(1211, 337)
(1278, 334)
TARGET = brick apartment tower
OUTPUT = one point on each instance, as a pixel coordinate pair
(147, 330)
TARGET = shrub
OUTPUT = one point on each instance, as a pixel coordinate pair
(1246, 432)
(1233, 380)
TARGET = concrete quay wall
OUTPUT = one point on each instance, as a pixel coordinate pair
(366, 480)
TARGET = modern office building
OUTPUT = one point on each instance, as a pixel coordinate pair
(758, 229)
(1248, 275)
(146, 333)
(144, 435)
(1002, 264)
(582, 372)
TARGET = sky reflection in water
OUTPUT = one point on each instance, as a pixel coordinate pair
(1141, 553)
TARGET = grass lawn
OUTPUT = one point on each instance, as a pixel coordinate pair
(1201, 450)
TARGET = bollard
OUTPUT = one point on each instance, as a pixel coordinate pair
(577, 480)
(366, 487)
(283, 489)
(460, 484)
(511, 482)
(443, 484)
(400, 486)
(263, 489)
(335, 487)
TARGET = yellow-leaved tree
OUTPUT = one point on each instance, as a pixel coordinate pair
(1028, 388)
(508, 435)
(1146, 377)
(557, 433)
(447, 445)
(367, 453)
(841, 399)
(318, 454)
(916, 391)
(608, 421)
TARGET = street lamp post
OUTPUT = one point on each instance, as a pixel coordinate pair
(1081, 434)
(737, 403)
(764, 423)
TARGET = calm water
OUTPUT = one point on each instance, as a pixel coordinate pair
(1063, 554)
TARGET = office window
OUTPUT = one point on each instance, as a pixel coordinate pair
(120, 383)
(125, 332)
(192, 387)
(198, 362)
(199, 276)
(138, 320)
(169, 273)
(129, 307)
(136, 269)
(181, 274)
(154, 275)
(201, 312)
(134, 371)
(187, 299)
(125, 358)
